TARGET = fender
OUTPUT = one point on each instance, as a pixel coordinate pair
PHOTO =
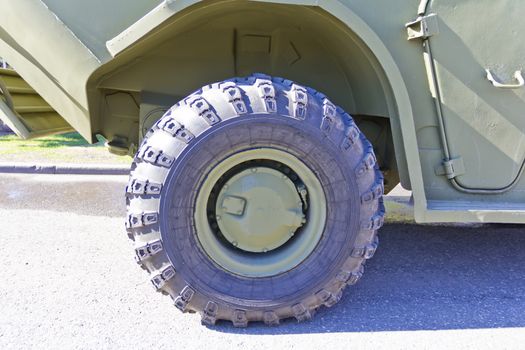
(400, 108)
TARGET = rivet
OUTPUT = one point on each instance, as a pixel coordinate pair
(235, 244)
(265, 250)
(218, 217)
(254, 170)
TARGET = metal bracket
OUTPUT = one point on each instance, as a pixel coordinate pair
(451, 168)
(423, 27)
(234, 205)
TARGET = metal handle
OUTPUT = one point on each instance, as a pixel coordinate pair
(518, 76)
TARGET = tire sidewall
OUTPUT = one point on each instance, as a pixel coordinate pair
(319, 153)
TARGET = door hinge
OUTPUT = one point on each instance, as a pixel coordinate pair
(451, 168)
(423, 27)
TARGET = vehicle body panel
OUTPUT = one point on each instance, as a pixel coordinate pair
(103, 78)
(484, 124)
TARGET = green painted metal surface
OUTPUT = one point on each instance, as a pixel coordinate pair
(484, 123)
(256, 220)
(459, 138)
(24, 111)
(259, 209)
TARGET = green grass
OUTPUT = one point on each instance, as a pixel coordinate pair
(63, 148)
(63, 140)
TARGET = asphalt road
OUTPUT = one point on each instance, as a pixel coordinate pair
(69, 281)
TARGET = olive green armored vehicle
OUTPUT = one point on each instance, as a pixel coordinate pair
(265, 133)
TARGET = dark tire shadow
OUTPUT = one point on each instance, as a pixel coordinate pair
(428, 278)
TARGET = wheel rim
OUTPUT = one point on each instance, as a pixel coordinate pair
(260, 212)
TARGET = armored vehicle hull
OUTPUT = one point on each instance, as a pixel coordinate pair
(278, 174)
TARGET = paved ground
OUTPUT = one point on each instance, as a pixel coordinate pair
(69, 281)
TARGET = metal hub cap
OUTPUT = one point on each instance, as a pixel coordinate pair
(259, 212)
(259, 209)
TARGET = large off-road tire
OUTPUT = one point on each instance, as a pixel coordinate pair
(290, 137)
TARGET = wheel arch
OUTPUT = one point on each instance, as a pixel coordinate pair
(390, 97)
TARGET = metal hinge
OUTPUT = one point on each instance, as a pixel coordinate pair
(423, 27)
(451, 168)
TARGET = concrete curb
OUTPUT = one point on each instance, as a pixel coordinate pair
(72, 169)
(399, 207)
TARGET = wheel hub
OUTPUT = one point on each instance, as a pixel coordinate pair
(260, 212)
(259, 209)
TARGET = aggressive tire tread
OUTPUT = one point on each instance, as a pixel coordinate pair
(239, 95)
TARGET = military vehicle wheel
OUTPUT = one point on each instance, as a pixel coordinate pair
(254, 199)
